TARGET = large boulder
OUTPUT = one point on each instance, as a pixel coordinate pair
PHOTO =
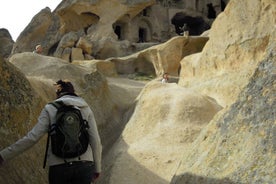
(238, 146)
(6, 43)
(106, 68)
(166, 119)
(161, 58)
(237, 68)
(43, 29)
(20, 106)
(238, 42)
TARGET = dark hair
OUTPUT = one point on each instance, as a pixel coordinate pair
(165, 74)
(67, 88)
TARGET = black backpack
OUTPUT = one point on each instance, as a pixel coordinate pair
(69, 136)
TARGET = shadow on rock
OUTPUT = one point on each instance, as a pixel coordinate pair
(189, 178)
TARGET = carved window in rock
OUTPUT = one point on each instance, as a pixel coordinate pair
(142, 35)
(119, 30)
(144, 31)
(145, 12)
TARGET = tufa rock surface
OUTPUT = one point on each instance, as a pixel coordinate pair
(89, 83)
(6, 43)
(162, 58)
(101, 33)
(238, 42)
(166, 119)
(43, 29)
(239, 145)
(215, 126)
(19, 107)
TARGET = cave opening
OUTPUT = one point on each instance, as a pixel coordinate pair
(195, 25)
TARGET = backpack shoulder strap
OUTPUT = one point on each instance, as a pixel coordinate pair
(57, 104)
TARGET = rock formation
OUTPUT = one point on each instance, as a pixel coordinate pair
(6, 43)
(109, 101)
(237, 68)
(167, 118)
(78, 30)
(19, 108)
(43, 29)
(163, 58)
(238, 43)
(89, 83)
(214, 125)
(239, 145)
(79, 19)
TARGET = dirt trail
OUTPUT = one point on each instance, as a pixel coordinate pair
(124, 90)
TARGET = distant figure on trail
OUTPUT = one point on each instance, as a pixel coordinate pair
(185, 30)
(38, 49)
(74, 154)
(222, 5)
(212, 14)
(165, 78)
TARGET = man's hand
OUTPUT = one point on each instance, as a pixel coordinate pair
(96, 176)
(1, 160)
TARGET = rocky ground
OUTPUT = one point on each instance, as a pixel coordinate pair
(215, 125)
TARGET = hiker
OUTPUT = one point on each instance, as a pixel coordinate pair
(165, 78)
(211, 11)
(185, 30)
(85, 168)
(38, 49)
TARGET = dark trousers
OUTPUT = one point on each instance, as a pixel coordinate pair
(78, 172)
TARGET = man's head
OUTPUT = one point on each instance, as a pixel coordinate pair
(165, 75)
(38, 49)
(64, 87)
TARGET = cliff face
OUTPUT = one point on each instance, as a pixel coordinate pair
(89, 21)
(238, 42)
(166, 120)
(19, 108)
(239, 145)
(237, 67)
(6, 43)
(91, 30)
(27, 85)
(216, 125)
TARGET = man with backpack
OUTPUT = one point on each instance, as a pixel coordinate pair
(73, 147)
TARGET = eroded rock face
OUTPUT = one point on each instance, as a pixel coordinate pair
(238, 42)
(167, 118)
(90, 21)
(89, 83)
(6, 43)
(163, 58)
(76, 14)
(239, 145)
(137, 22)
(19, 107)
(168, 126)
(43, 29)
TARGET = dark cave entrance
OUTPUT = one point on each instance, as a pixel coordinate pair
(117, 31)
(195, 25)
(142, 35)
